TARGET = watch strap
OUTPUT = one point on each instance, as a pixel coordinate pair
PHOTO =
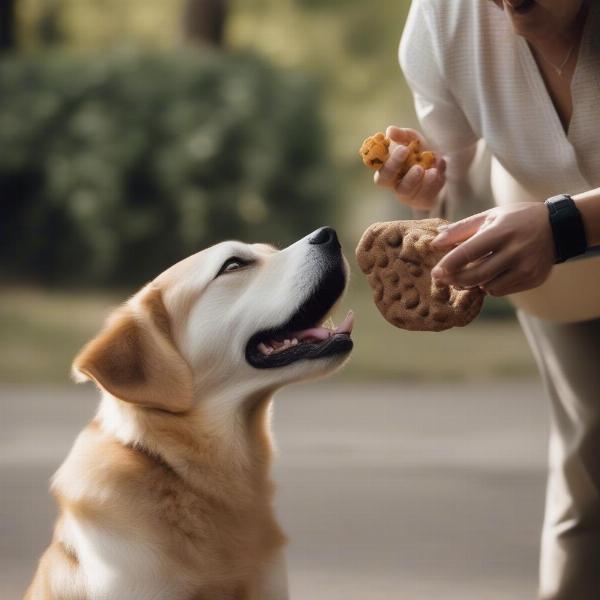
(567, 227)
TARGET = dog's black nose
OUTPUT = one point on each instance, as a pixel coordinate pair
(324, 236)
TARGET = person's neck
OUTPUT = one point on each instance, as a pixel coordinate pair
(556, 42)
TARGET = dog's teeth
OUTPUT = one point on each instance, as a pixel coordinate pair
(276, 346)
(264, 349)
(284, 345)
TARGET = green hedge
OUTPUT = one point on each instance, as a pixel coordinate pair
(113, 167)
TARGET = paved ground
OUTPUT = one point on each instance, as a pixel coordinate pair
(403, 492)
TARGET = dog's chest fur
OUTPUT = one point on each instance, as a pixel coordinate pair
(133, 521)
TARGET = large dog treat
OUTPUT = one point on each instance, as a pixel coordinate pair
(376, 149)
(397, 258)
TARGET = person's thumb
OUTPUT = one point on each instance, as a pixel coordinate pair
(403, 135)
(458, 232)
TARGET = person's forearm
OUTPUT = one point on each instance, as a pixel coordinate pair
(588, 204)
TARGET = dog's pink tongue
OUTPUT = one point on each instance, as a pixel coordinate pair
(322, 333)
(315, 333)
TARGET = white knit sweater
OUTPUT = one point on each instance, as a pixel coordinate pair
(474, 79)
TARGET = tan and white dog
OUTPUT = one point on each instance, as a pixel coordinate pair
(166, 494)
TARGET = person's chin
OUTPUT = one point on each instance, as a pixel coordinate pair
(519, 7)
(525, 17)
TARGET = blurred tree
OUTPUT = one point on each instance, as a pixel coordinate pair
(49, 26)
(7, 24)
(122, 164)
(352, 45)
(204, 21)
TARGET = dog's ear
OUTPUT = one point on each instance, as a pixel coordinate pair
(134, 357)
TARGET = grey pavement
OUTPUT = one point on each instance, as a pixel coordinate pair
(386, 491)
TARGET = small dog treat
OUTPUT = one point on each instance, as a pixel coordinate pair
(375, 150)
(415, 157)
(397, 258)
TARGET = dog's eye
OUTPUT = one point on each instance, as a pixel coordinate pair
(233, 264)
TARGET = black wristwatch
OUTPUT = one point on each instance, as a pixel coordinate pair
(567, 227)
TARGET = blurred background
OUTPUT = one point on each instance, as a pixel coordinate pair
(136, 132)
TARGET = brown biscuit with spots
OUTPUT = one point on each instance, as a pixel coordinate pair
(397, 258)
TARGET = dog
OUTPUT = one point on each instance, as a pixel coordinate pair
(166, 494)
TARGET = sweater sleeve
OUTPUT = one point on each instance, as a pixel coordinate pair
(442, 120)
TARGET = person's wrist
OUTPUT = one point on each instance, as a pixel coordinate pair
(567, 227)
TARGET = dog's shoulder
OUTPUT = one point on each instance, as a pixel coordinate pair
(98, 467)
(104, 486)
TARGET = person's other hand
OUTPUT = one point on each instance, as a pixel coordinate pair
(504, 250)
(419, 188)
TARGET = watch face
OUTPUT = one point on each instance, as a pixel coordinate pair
(557, 199)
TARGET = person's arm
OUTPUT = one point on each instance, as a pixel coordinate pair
(588, 204)
(446, 130)
(508, 249)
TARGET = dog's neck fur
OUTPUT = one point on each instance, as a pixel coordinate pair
(197, 494)
(238, 442)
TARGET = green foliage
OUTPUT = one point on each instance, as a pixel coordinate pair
(114, 167)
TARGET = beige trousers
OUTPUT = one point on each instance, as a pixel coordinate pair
(568, 356)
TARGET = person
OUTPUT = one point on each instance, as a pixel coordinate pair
(518, 81)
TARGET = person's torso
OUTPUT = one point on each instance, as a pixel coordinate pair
(495, 80)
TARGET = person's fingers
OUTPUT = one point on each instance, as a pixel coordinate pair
(408, 186)
(388, 174)
(508, 282)
(424, 193)
(431, 184)
(470, 250)
(455, 233)
(418, 187)
(441, 165)
(480, 272)
(403, 135)
(522, 273)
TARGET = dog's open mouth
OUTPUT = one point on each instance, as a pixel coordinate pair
(306, 336)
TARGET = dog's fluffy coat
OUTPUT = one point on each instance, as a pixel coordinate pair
(166, 493)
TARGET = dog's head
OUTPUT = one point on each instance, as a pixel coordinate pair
(229, 322)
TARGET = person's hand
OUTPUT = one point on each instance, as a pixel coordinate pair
(504, 250)
(419, 188)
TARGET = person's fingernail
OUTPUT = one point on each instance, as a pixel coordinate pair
(439, 239)
(442, 228)
(414, 176)
(438, 272)
(400, 152)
